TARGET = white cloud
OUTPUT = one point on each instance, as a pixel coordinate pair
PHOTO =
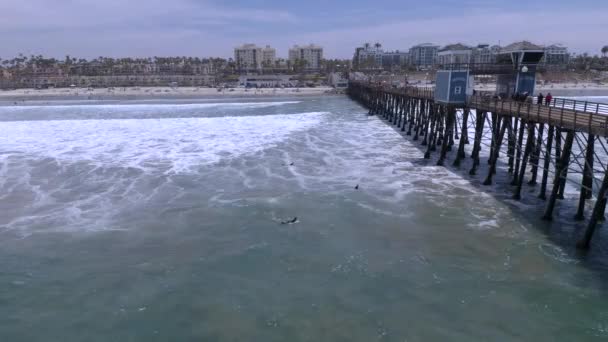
(18, 15)
(581, 30)
(91, 28)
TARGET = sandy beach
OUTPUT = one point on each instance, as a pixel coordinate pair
(154, 92)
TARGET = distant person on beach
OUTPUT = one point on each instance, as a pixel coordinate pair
(540, 99)
(548, 99)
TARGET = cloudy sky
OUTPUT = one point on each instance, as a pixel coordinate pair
(90, 28)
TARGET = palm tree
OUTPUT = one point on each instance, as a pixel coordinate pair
(605, 50)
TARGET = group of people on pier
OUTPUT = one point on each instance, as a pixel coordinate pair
(546, 99)
(541, 99)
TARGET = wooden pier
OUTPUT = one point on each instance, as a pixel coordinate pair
(550, 145)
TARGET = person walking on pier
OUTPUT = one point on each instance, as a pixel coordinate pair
(540, 99)
(548, 99)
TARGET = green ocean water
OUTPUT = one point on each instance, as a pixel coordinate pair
(161, 221)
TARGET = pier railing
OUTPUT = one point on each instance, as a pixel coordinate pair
(581, 106)
(584, 116)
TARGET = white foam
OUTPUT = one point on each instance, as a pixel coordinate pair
(170, 145)
(164, 106)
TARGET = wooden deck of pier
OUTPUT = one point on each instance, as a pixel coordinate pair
(561, 140)
(591, 119)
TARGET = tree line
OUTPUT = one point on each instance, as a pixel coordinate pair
(101, 66)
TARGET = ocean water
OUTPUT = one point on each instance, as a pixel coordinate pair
(161, 221)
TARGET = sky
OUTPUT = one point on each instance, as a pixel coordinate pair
(212, 28)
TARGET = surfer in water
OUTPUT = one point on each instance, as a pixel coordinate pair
(294, 220)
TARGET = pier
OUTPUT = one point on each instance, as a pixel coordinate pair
(541, 146)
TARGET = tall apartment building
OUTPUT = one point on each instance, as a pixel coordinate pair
(269, 56)
(312, 54)
(251, 56)
(368, 56)
(424, 55)
(393, 59)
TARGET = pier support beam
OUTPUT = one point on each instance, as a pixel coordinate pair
(449, 130)
(496, 150)
(524, 162)
(536, 156)
(520, 140)
(547, 163)
(479, 122)
(560, 172)
(587, 184)
(512, 143)
(431, 141)
(461, 154)
(598, 214)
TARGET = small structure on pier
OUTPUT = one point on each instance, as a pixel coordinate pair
(522, 59)
(453, 86)
(515, 70)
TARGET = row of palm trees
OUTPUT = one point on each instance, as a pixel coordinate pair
(27, 65)
(23, 66)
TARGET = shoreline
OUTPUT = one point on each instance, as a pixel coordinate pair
(135, 93)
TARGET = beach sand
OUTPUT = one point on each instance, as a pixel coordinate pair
(154, 92)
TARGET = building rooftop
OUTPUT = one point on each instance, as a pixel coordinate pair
(425, 45)
(455, 47)
(555, 46)
(309, 46)
(521, 46)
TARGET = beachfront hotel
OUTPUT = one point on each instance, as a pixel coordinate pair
(311, 54)
(251, 56)
(424, 55)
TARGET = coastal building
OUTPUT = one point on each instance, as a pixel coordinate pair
(556, 55)
(454, 54)
(311, 55)
(424, 55)
(269, 56)
(368, 56)
(267, 81)
(337, 80)
(253, 57)
(392, 59)
(484, 54)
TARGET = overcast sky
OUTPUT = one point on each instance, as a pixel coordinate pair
(118, 28)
